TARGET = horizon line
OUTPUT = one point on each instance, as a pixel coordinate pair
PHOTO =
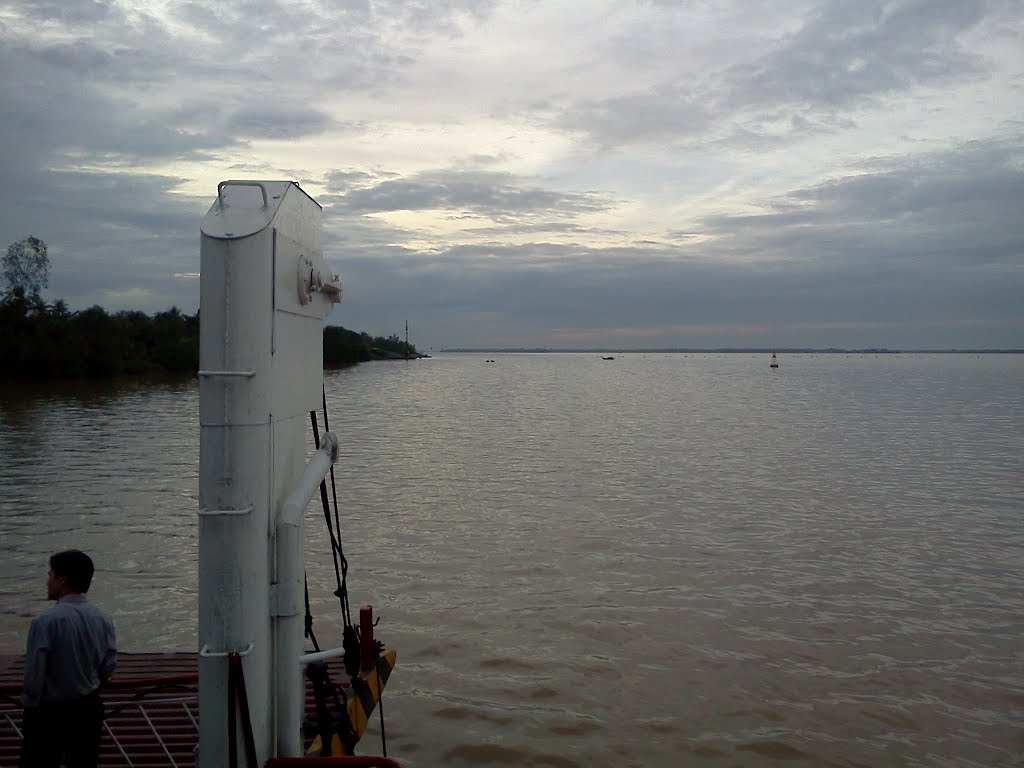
(746, 350)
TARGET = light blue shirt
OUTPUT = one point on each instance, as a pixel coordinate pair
(71, 648)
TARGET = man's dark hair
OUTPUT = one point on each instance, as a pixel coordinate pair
(74, 566)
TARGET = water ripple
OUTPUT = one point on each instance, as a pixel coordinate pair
(669, 560)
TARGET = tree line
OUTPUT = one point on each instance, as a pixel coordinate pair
(44, 340)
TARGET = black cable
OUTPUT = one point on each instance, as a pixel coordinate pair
(339, 572)
(350, 633)
(309, 615)
(380, 706)
(343, 587)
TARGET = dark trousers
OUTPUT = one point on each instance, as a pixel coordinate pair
(68, 729)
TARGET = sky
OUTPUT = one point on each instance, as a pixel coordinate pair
(590, 173)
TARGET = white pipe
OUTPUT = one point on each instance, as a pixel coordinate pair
(333, 653)
(290, 621)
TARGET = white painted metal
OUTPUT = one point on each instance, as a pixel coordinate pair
(290, 621)
(261, 350)
(242, 374)
(206, 653)
(331, 653)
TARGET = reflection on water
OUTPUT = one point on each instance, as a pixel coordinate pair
(111, 469)
(663, 560)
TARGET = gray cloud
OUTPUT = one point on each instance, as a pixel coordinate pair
(68, 11)
(840, 57)
(954, 207)
(845, 53)
(663, 174)
(890, 255)
(497, 195)
(277, 122)
(112, 235)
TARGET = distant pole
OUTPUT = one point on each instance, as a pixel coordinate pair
(407, 340)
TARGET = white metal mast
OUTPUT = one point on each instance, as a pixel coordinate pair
(264, 293)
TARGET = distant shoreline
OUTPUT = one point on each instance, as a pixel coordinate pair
(744, 350)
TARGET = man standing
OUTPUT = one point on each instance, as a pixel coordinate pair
(71, 650)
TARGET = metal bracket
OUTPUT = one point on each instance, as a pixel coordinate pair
(283, 602)
(310, 279)
(313, 279)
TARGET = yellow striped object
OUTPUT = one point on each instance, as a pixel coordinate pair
(361, 699)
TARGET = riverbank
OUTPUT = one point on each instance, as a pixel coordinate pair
(41, 341)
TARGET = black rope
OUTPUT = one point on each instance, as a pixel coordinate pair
(343, 587)
(337, 554)
(380, 707)
(350, 641)
(350, 637)
(309, 615)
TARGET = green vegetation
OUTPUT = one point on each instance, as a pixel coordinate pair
(344, 347)
(40, 340)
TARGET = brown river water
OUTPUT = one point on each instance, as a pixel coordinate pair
(659, 560)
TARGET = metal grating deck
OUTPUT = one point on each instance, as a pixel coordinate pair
(147, 725)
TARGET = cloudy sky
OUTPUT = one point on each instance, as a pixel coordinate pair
(568, 173)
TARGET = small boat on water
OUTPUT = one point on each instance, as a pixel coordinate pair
(774, 363)
(607, 358)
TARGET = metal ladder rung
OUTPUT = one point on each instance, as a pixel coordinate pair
(228, 374)
(216, 512)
